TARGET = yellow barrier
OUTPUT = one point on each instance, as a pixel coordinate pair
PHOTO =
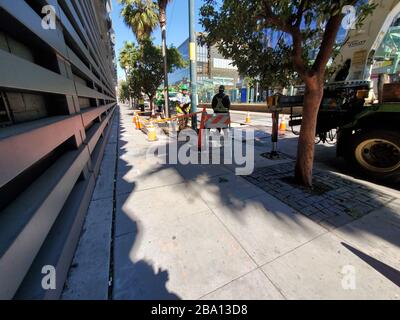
(248, 119)
(151, 132)
(172, 118)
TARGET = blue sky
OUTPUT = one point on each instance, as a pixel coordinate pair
(177, 28)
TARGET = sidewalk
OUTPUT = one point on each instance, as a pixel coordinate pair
(201, 232)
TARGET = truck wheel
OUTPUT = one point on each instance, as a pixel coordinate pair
(376, 153)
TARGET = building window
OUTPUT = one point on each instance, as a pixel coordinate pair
(224, 64)
(202, 54)
(202, 68)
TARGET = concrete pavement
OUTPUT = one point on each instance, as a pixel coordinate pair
(160, 231)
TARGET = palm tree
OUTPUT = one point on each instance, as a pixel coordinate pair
(162, 17)
(141, 16)
(126, 57)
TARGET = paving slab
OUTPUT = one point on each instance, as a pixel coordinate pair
(140, 157)
(105, 180)
(252, 286)
(153, 208)
(144, 177)
(189, 258)
(201, 171)
(377, 234)
(110, 149)
(88, 277)
(323, 269)
(334, 201)
(267, 228)
(223, 190)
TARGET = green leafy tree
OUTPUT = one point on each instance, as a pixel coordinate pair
(146, 74)
(238, 28)
(143, 16)
(123, 91)
(127, 55)
(127, 59)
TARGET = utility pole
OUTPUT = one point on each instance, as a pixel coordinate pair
(193, 62)
(163, 24)
(166, 86)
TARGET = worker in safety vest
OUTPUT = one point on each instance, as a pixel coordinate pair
(183, 106)
(141, 103)
(221, 102)
(160, 100)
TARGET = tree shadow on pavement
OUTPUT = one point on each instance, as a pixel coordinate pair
(224, 186)
(133, 279)
(243, 207)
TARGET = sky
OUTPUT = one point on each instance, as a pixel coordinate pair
(177, 25)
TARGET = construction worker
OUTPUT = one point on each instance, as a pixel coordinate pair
(141, 102)
(160, 100)
(183, 107)
(221, 102)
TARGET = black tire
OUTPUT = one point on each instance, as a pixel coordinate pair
(375, 153)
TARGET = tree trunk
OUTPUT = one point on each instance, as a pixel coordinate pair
(305, 151)
(129, 89)
(163, 25)
(151, 99)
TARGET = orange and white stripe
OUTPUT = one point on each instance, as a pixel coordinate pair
(218, 121)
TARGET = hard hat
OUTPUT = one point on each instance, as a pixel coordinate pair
(184, 87)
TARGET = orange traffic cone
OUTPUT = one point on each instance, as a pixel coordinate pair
(282, 126)
(139, 123)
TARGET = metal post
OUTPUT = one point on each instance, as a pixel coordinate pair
(166, 87)
(274, 154)
(274, 136)
(193, 62)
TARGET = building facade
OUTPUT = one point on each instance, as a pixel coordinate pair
(213, 70)
(57, 103)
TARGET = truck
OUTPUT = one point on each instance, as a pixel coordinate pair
(361, 102)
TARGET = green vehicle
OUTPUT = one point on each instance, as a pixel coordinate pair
(361, 104)
(367, 136)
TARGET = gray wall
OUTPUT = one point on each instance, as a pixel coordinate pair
(57, 91)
